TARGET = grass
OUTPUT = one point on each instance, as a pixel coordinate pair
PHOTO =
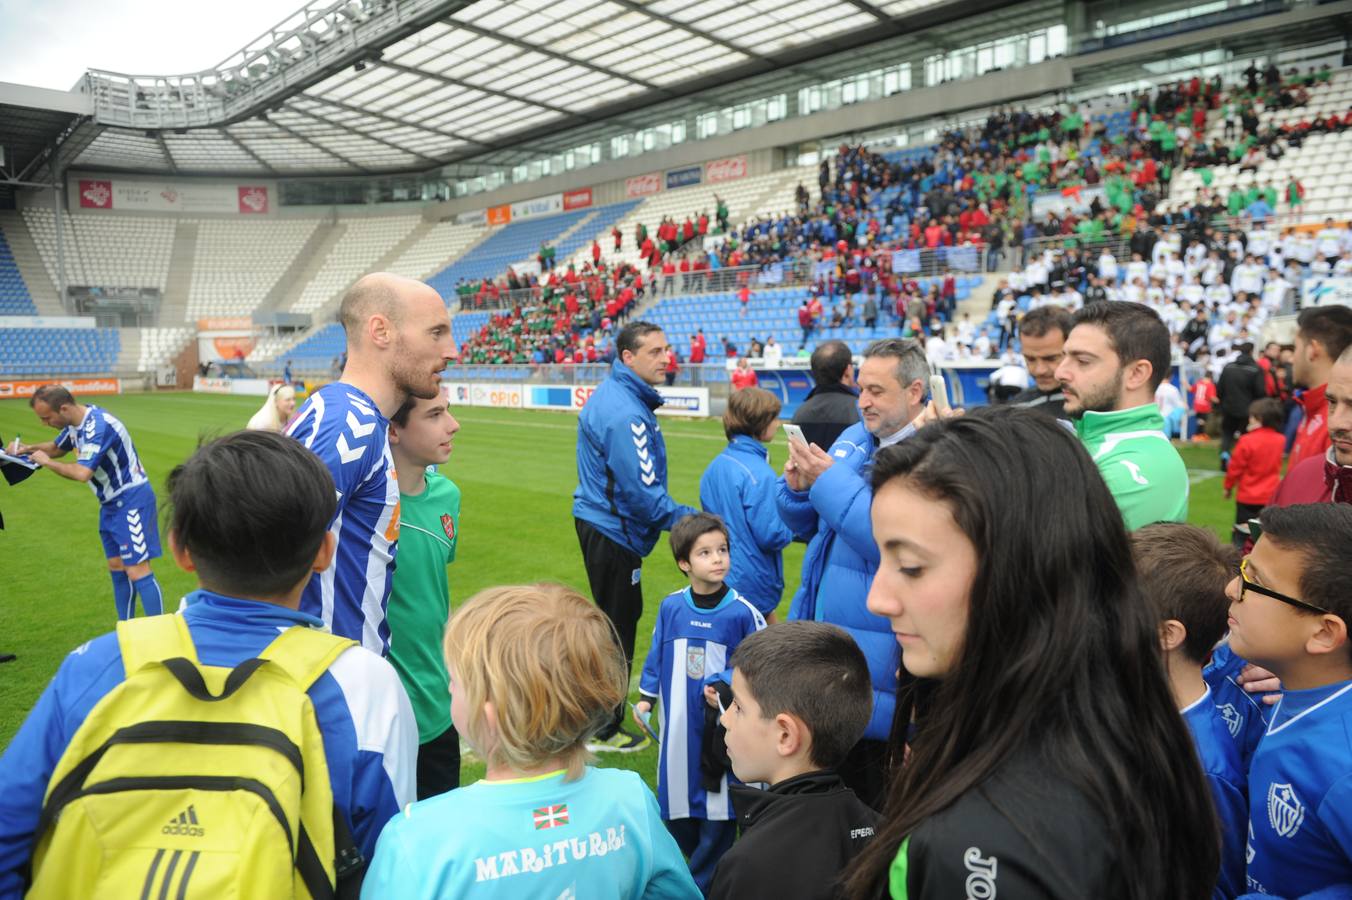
(516, 470)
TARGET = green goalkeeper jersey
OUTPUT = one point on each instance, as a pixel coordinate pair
(1144, 473)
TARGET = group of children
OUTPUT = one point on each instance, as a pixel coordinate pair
(754, 719)
(1278, 773)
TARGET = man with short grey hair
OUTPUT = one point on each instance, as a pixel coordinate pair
(824, 496)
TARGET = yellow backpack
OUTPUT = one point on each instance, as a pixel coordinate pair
(193, 781)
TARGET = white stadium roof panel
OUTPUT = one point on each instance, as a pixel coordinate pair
(413, 84)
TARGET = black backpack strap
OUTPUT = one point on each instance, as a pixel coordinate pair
(188, 675)
(348, 861)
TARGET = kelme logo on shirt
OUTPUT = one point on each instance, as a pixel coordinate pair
(185, 823)
(550, 816)
(1285, 811)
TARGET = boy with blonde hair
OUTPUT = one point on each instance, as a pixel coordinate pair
(536, 671)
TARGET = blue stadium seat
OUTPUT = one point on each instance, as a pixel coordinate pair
(14, 297)
(58, 351)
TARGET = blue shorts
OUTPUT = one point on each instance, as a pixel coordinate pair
(128, 527)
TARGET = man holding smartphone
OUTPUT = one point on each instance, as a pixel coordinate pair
(824, 497)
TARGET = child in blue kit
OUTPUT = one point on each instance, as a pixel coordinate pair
(1184, 572)
(696, 632)
(536, 671)
(1289, 613)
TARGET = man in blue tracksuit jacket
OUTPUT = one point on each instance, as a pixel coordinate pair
(246, 507)
(824, 496)
(621, 505)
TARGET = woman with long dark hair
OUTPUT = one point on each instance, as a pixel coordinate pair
(1045, 755)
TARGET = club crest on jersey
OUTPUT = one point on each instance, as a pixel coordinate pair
(694, 662)
(448, 526)
(1233, 720)
(1285, 811)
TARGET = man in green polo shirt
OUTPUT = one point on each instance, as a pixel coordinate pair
(1116, 355)
(421, 433)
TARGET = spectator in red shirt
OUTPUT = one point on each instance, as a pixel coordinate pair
(687, 231)
(1256, 465)
(744, 376)
(619, 238)
(745, 296)
(805, 322)
(1322, 334)
(698, 347)
(934, 233)
(1203, 402)
(668, 277)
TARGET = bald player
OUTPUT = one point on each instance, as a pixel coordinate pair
(398, 343)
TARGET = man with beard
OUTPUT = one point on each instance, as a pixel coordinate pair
(1327, 478)
(398, 343)
(1116, 355)
(1322, 334)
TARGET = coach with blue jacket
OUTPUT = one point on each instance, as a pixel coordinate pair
(621, 505)
(824, 495)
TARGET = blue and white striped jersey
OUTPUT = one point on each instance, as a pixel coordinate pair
(345, 429)
(102, 445)
(690, 648)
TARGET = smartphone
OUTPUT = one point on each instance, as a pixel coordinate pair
(939, 393)
(795, 433)
(644, 722)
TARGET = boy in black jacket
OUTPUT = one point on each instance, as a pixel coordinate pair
(801, 699)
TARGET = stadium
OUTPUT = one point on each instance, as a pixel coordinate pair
(755, 179)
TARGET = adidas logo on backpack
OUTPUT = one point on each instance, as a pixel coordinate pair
(185, 823)
(178, 743)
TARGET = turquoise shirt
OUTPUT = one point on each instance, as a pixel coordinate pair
(1144, 472)
(600, 837)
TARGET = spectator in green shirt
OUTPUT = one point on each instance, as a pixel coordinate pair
(421, 434)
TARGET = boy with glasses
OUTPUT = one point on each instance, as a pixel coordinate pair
(1289, 611)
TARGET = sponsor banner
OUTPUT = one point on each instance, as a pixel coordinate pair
(253, 200)
(683, 177)
(643, 185)
(249, 387)
(47, 322)
(78, 386)
(1326, 291)
(579, 199)
(498, 215)
(1076, 200)
(540, 206)
(497, 396)
(172, 197)
(226, 323)
(477, 217)
(224, 348)
(680, 401)
(729, 169)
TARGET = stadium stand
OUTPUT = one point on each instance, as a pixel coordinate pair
(437, 248)
(106, 251)
(160, 345)
(356, 252)
(14, 297)
(57, 351)
(238, 263)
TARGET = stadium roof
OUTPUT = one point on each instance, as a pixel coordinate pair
(381, 86)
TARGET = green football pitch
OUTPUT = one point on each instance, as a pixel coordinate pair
(516, 470)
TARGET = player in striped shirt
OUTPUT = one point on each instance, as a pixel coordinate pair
(398, 343)
(106, 460)
(697, 629)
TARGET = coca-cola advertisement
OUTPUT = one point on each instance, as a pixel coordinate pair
(725, 169)
(643, 185)
(579, 199)
(253, 200)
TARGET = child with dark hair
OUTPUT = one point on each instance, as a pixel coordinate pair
(697, 630)
(801, 698)
(1184, 572)
(1289, 613)
(250, 519)
(1256, 465)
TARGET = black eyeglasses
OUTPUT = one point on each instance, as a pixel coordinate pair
(1246, 585)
